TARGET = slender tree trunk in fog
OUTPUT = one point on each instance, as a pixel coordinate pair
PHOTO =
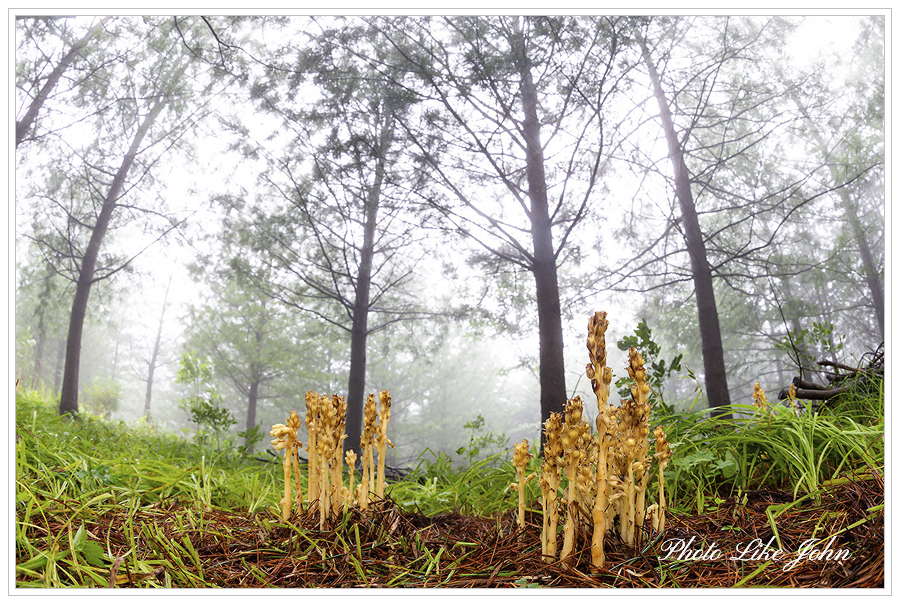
(873, 279)
(60, 359)
(256, 379)
(500, 82)
(359, 332)
(154, 357)
(708, 314)
(42, 311)
(38, 357)
(39, 352)
(552, 367)
(68, 402)
(252, 398)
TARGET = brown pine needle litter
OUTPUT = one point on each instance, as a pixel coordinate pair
(388, 547)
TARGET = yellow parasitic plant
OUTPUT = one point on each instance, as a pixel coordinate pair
(759, 398)
(662, 456)
(382, 441)
(294, 422)
(601, 377)
(328, 447)
(602, 490)
(312, 402)
(367, 441)
(350, 457)
(576, 441)
(792, 399)
(337, 459)
(521, 455)
(286, 438)
(326, 423)
(635, 426)
(607, 474)
(549, 482)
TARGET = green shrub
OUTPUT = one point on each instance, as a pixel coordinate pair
(102, 396)
(481, 440)
(204, 403)
(657, 368)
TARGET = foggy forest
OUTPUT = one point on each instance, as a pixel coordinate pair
(216, 215)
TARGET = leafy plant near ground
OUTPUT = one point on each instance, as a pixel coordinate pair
(436, 486)
(802, 345)
(481, 438)
(863, 405)
(658, 369)
(204, 403)
(102, 396)
(251, 437)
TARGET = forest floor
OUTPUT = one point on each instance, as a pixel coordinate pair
(170, 545)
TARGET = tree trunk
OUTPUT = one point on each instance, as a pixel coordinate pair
(151, 369)
(46, 295)
(36, 380)
(57, 371)
(256, 378)
(23, 125)
(708, 315)
(873, 279)
(359, 333)
(252, 398)
(356, 385)
(552, 368)
(68, 402)
(115, 365)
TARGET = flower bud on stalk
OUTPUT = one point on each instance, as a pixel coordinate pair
(351, 465)
(521, 456)
(312, 410)
(286, 438)
(367, 484)
(662, 455)
(383, 441)
(576, 438)
(550, 469)
(326, 424)
(337, 460)
(759, 397)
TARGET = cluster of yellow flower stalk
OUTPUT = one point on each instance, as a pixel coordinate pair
(759, 398)
(606, 473)
(325, 422)
(762, 404)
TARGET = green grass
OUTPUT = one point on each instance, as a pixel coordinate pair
(77, 457)
(170, 496)
(796, 451)
(69, 470)
(435, 486)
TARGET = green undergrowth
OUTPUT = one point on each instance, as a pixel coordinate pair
(799, 451)
(435, 486)
(70, 472)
